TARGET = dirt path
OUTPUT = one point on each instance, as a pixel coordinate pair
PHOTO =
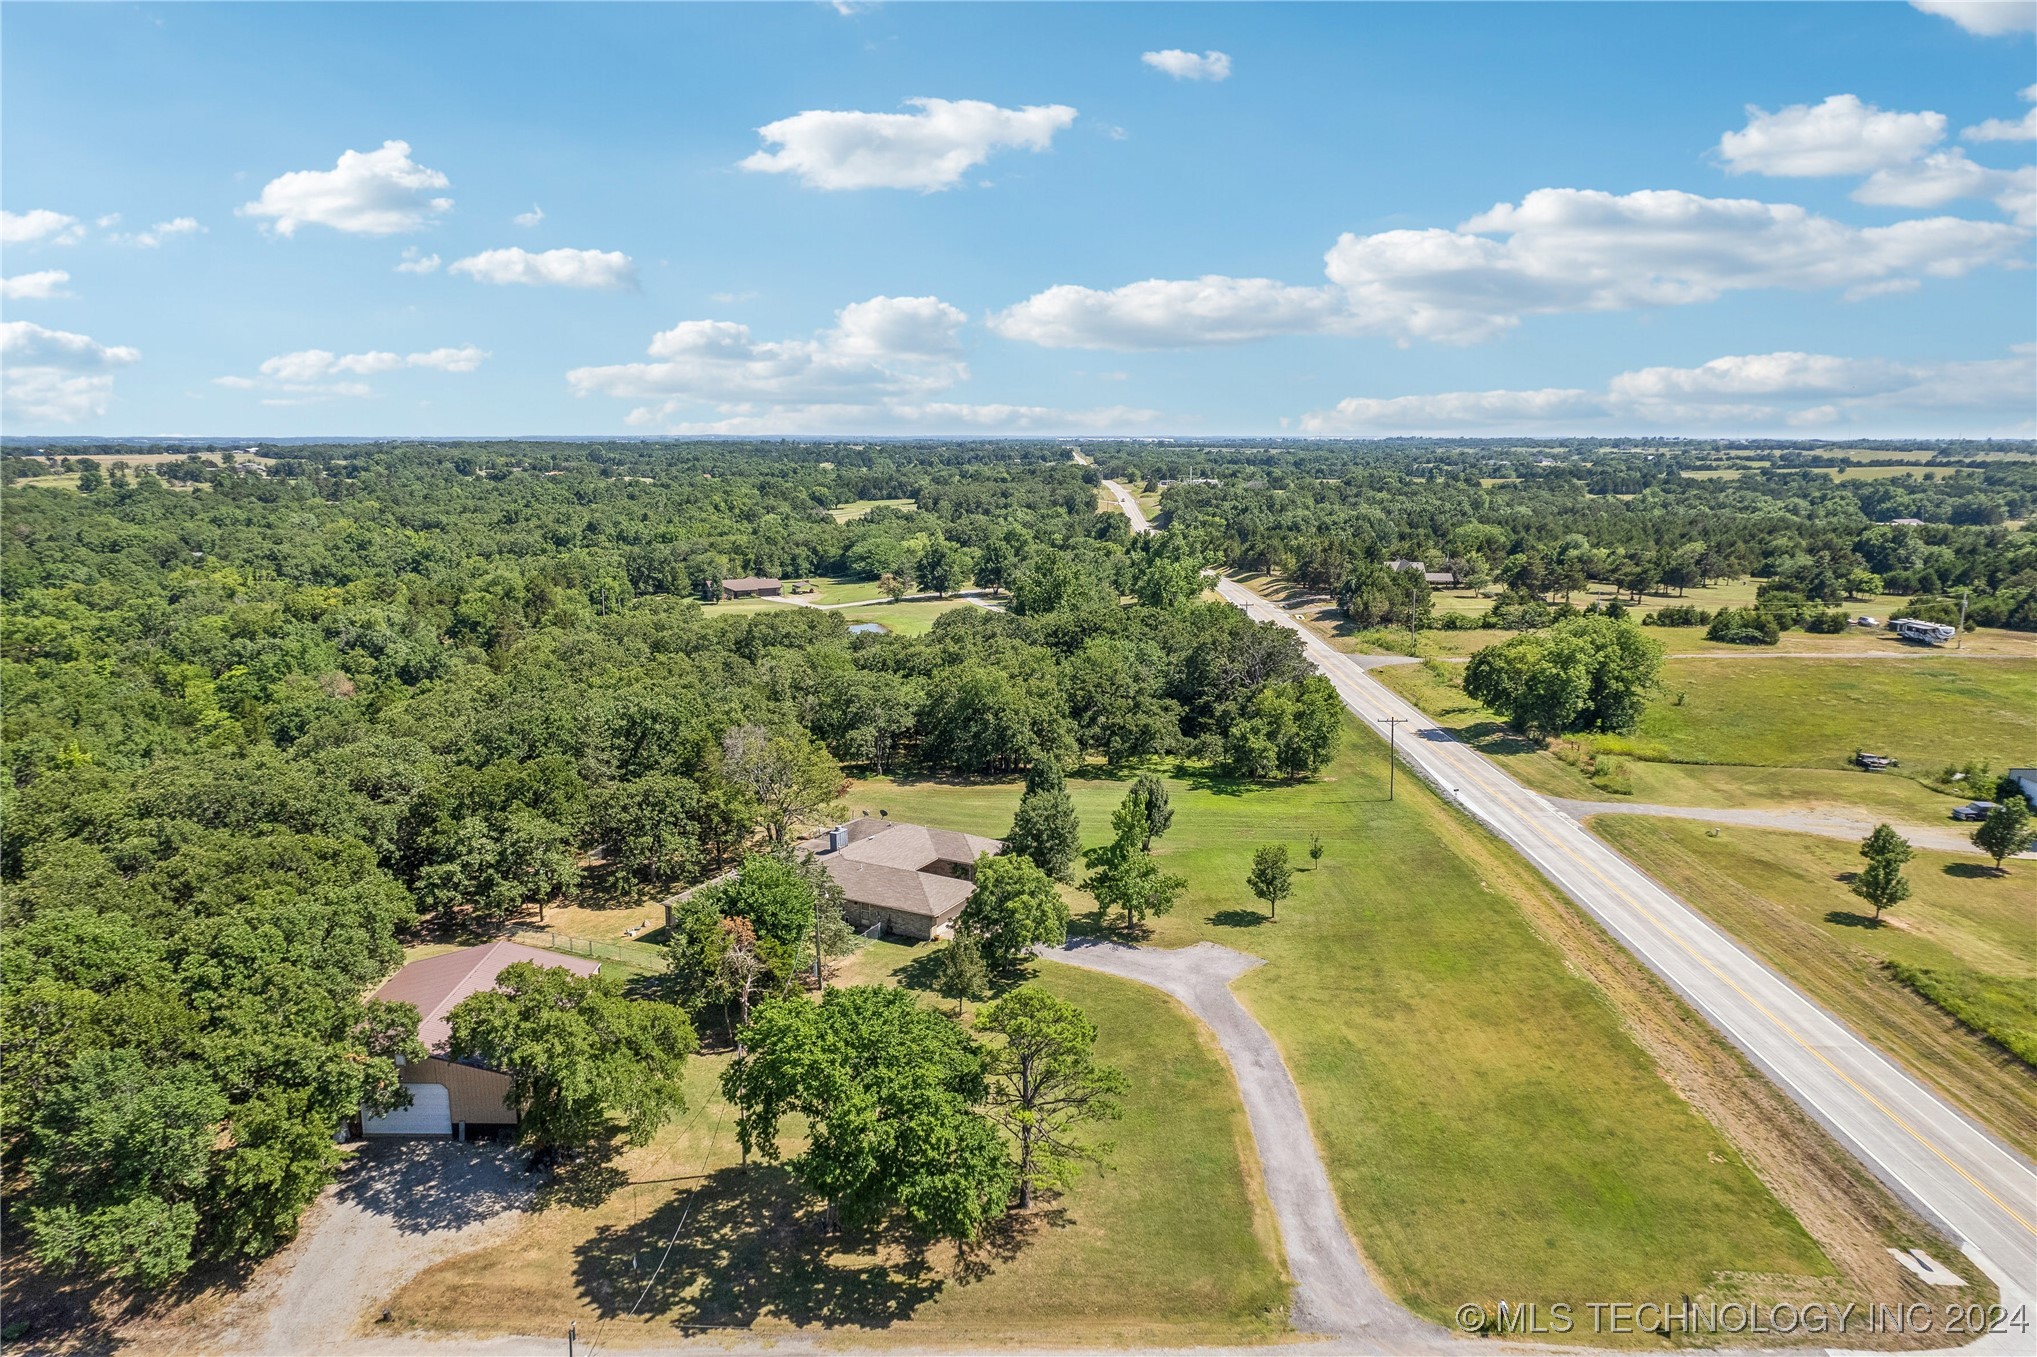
(401, 1206)
(1825, 824)
(1333, 1293)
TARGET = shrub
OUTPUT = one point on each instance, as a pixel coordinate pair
(1828, 623)
(1678, 615)
(1743, 627)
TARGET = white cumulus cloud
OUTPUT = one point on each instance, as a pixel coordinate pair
(39, 224)
(417, 261)
(39, 286)
(55, 376)
(1840, 136)
(928, 150)
(1944, 176)
(1746, 392)
(530, 218)
(550, 268)
(880, 347)
(374, 193)
(1164, 313)
(157, 234)
(2004, 129)
(1986, 18)
(1556, 251)
(1187, 65)
(296, 378)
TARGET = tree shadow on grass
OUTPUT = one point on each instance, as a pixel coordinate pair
(1972, 871)
(1004, 1239)
(1846, 918)
(1494, 739)
(1237, 918)
(748, 1244)
(923, 972)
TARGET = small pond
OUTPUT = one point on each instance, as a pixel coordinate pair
(868, 629)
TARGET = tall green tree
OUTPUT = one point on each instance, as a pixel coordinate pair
(790, 777)
(889, 1093)
(119, 1157)
(1584, 673)
(1046, 1084)
(1045, 828)
(1151, 793)
(1271, 879)
(1881, 883)
(2005, 832)
(959, 972)
(584, 1061)
(1124, 878)
(1013, 909)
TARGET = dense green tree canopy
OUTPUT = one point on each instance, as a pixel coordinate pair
(889, 1092)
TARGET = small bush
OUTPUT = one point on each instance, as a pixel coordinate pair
(1828, 623)
(1743, 627)
(1677, 615)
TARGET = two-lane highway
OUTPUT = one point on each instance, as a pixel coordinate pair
(1981, 1192)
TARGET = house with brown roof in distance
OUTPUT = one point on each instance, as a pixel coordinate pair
(446, 1094)
(910, 879)
(752, 586)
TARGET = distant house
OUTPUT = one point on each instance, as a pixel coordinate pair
(1906, 522)
(444, 1093)
(751, 586)
(1442, 577)
(910, 879)
(2026, 778)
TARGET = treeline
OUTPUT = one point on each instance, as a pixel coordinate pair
(1333, 522)
(259, 731)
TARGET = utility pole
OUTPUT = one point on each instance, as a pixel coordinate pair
(1964, 595)
(1393, 725)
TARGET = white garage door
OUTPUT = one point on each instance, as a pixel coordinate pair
(430, 1114)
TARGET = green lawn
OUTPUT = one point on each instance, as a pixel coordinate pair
(856, 508)
(905, 619)
(1172, 1245)
(1972, 931)
(1754, 733)
(1490, 1127)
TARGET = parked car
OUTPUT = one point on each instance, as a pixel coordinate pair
(1973, 810)
(1874, 763)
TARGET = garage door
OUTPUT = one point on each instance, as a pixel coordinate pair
(430, 1114)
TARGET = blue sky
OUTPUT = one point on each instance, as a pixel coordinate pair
(1811, 220)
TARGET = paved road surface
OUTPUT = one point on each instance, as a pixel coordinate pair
(1333, 1293)
(1140, 523)
(1982, 1193)
(1826, 824)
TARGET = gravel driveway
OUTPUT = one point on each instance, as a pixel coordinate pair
(1333, 1293)
(399, 1207)
(1826, 824)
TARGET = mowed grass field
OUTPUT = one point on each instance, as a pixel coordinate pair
(1779, 732)
(1786, 896)
(1489, 1125)
(1171, 1245)
(856, 508)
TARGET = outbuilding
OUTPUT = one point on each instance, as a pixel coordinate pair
(752, 586)
(447, 1096)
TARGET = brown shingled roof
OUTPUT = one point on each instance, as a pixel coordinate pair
(436, 983)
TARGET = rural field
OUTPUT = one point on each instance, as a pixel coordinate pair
(1490, 1121)
(1777, 733)
(1968, 935)
(1177, 1224)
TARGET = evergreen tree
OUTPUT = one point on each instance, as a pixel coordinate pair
(1045, 828)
